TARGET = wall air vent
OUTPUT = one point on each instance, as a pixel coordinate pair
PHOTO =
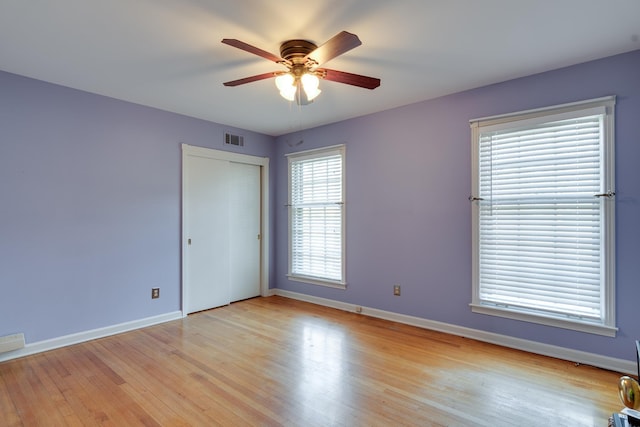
(231, 139)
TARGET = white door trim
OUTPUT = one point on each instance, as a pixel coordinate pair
(263, 162)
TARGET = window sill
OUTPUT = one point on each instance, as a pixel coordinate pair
(565, 323)
(317, 281)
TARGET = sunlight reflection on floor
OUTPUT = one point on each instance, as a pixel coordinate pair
(322, 358)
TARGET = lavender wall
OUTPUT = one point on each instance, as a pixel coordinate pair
(90, 193)
(90, 204)
(408, 218)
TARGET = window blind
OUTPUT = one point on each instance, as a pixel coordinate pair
(540, 232)
(316, 216)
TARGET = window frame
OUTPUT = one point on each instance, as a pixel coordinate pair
(606, 325)
(318, 153)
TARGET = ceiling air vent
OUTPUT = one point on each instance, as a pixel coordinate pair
(231, 139)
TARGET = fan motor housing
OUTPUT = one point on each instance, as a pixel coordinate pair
(296, 50)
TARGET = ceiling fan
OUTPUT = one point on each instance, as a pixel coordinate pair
(302, 60)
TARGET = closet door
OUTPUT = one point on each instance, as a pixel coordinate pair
(222, 230)
(207, 209)
(244, 223)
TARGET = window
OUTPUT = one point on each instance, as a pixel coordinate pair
(543, 216)
(316, 216)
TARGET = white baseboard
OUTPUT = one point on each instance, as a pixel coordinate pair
(11, 342)
(271, 292)
(576, 356)
(40, 346)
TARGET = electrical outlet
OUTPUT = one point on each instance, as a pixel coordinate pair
(155, 293)
(396, 290)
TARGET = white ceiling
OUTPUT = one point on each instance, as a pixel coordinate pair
(167, 53)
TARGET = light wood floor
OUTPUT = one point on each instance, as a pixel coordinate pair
(276, 361)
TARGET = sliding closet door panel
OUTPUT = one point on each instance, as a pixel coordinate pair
(244, 223)
(208, 233)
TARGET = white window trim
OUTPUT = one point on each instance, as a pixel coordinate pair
(301, 155)
(607, 327)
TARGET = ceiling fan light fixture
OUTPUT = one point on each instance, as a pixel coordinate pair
(310, 84)
(289, 94)
(286, 85)
(284, 81)
(290, 86)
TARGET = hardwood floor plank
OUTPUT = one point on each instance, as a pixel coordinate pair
(279, 362)
(8, 409)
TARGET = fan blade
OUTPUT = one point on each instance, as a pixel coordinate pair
(337, 45)
(252, 49)
(348, 78)
(252, 78)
